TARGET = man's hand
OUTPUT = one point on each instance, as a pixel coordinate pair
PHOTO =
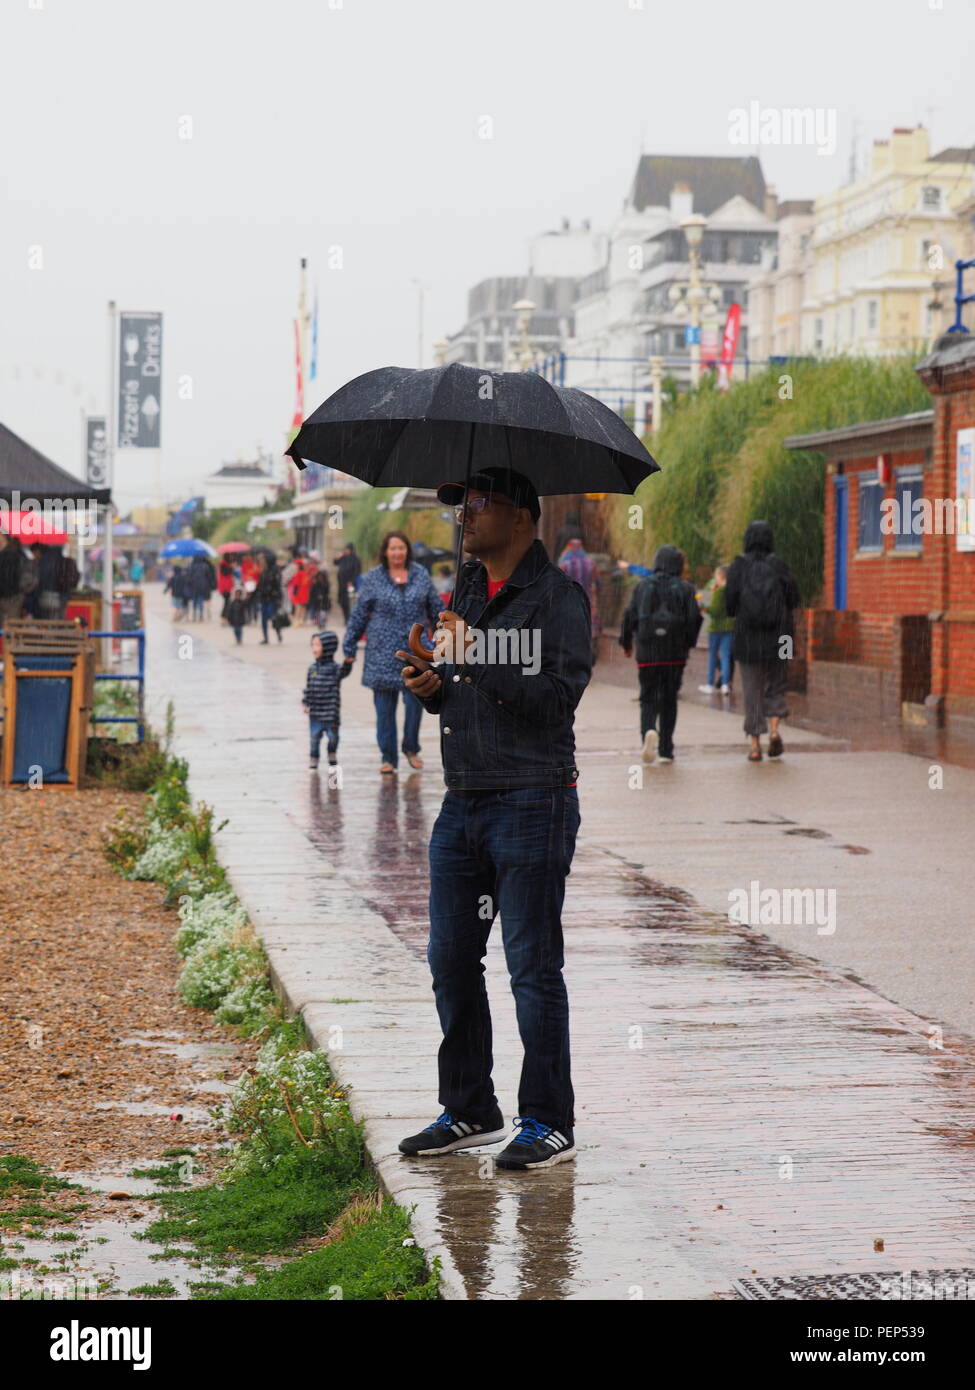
(627, 651)
(304, 709)
(419, 679)
(455, 630)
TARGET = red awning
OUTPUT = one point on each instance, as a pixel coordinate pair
(31, 527)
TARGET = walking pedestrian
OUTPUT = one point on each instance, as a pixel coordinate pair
(349, 569)
(664, 618)
(762, 595)
(580, 566)
(397, 593)
(176, 586)
(226, 583)
(200, 583)
(11, 595)
(237, 614)
(320, 597)
(321, 700)
(138, 570)
(57, 577)
(269, 594)
(299, 591)
(720, 633)
(504, 839)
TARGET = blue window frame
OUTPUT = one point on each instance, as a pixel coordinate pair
(908, 488)
(868, 533)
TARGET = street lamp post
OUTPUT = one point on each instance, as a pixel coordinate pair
(656, 374)
(692, 297)
(524, 309)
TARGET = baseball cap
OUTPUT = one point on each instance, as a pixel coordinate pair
(504, 481)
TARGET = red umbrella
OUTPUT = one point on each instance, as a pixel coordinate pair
(32, 527)
(233, 548)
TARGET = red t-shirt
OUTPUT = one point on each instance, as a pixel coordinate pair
(494, 586)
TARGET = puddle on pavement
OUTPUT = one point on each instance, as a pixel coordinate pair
(108, 1260)
(190, 1114)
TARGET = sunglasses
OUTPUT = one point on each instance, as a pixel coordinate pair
(474, 505)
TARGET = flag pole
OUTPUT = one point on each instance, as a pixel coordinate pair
(110, 418)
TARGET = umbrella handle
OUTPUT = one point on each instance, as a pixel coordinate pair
(417, 647)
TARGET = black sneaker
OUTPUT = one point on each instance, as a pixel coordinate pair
(447, 1134)
(537, 1146)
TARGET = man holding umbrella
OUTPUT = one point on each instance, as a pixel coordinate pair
(505, 836)
(518, 657)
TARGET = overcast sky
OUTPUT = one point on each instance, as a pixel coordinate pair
(318, 124)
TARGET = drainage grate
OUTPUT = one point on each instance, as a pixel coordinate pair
(913, 1285)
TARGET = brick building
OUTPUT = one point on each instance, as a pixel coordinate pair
(894, 633)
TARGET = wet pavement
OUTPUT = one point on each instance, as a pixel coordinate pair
(744, 1109)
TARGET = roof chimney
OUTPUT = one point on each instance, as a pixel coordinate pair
(681, 201)
(771, 208)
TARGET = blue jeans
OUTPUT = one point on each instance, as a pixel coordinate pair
(719, 649)
(385, 702)
(198, 607)
(317, 727)
(506, 852)
(268, 611)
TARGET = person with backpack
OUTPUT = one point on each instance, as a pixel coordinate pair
(664, 618)
(761, 595)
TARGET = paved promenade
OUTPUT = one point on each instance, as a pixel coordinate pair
(745, 1106)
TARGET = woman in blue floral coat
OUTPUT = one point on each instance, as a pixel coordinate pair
(394, 596)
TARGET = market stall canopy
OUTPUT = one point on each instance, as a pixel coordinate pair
(26, 473)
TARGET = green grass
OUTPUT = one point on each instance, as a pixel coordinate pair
(370, 1262)
(165, 1288)
(262, 1213)
(723, 462)
(21, 1174)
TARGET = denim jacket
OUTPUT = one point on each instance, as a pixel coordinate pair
(501, 726)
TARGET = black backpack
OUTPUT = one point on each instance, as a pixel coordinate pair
(661, 616)
(762, 606)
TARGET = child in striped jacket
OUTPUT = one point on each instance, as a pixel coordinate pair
(321, 700)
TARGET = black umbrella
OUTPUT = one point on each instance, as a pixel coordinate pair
(410, 427)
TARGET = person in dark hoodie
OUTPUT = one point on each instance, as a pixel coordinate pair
(761, 595)
(664, 617)
(321, 700)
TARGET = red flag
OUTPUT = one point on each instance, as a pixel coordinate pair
(729, 346)
(299, 384)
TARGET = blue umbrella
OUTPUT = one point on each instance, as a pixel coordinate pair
(184, 547)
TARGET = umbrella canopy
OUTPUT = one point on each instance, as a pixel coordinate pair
(32, 527)
(403, 426)
(184, 547)
(233, 548)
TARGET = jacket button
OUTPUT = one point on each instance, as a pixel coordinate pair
(456, 678)
(467, 680)
(500, 702)
(446, 730)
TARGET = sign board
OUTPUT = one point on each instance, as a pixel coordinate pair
(965, 488)
(139, 381)
(692, 334)
(96, 451)
(129, 610)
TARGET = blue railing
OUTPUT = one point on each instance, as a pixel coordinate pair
(138, 635)
(960, 296)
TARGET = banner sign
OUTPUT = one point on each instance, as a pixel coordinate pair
(139, 380)
(729, 346)
(96, 452)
